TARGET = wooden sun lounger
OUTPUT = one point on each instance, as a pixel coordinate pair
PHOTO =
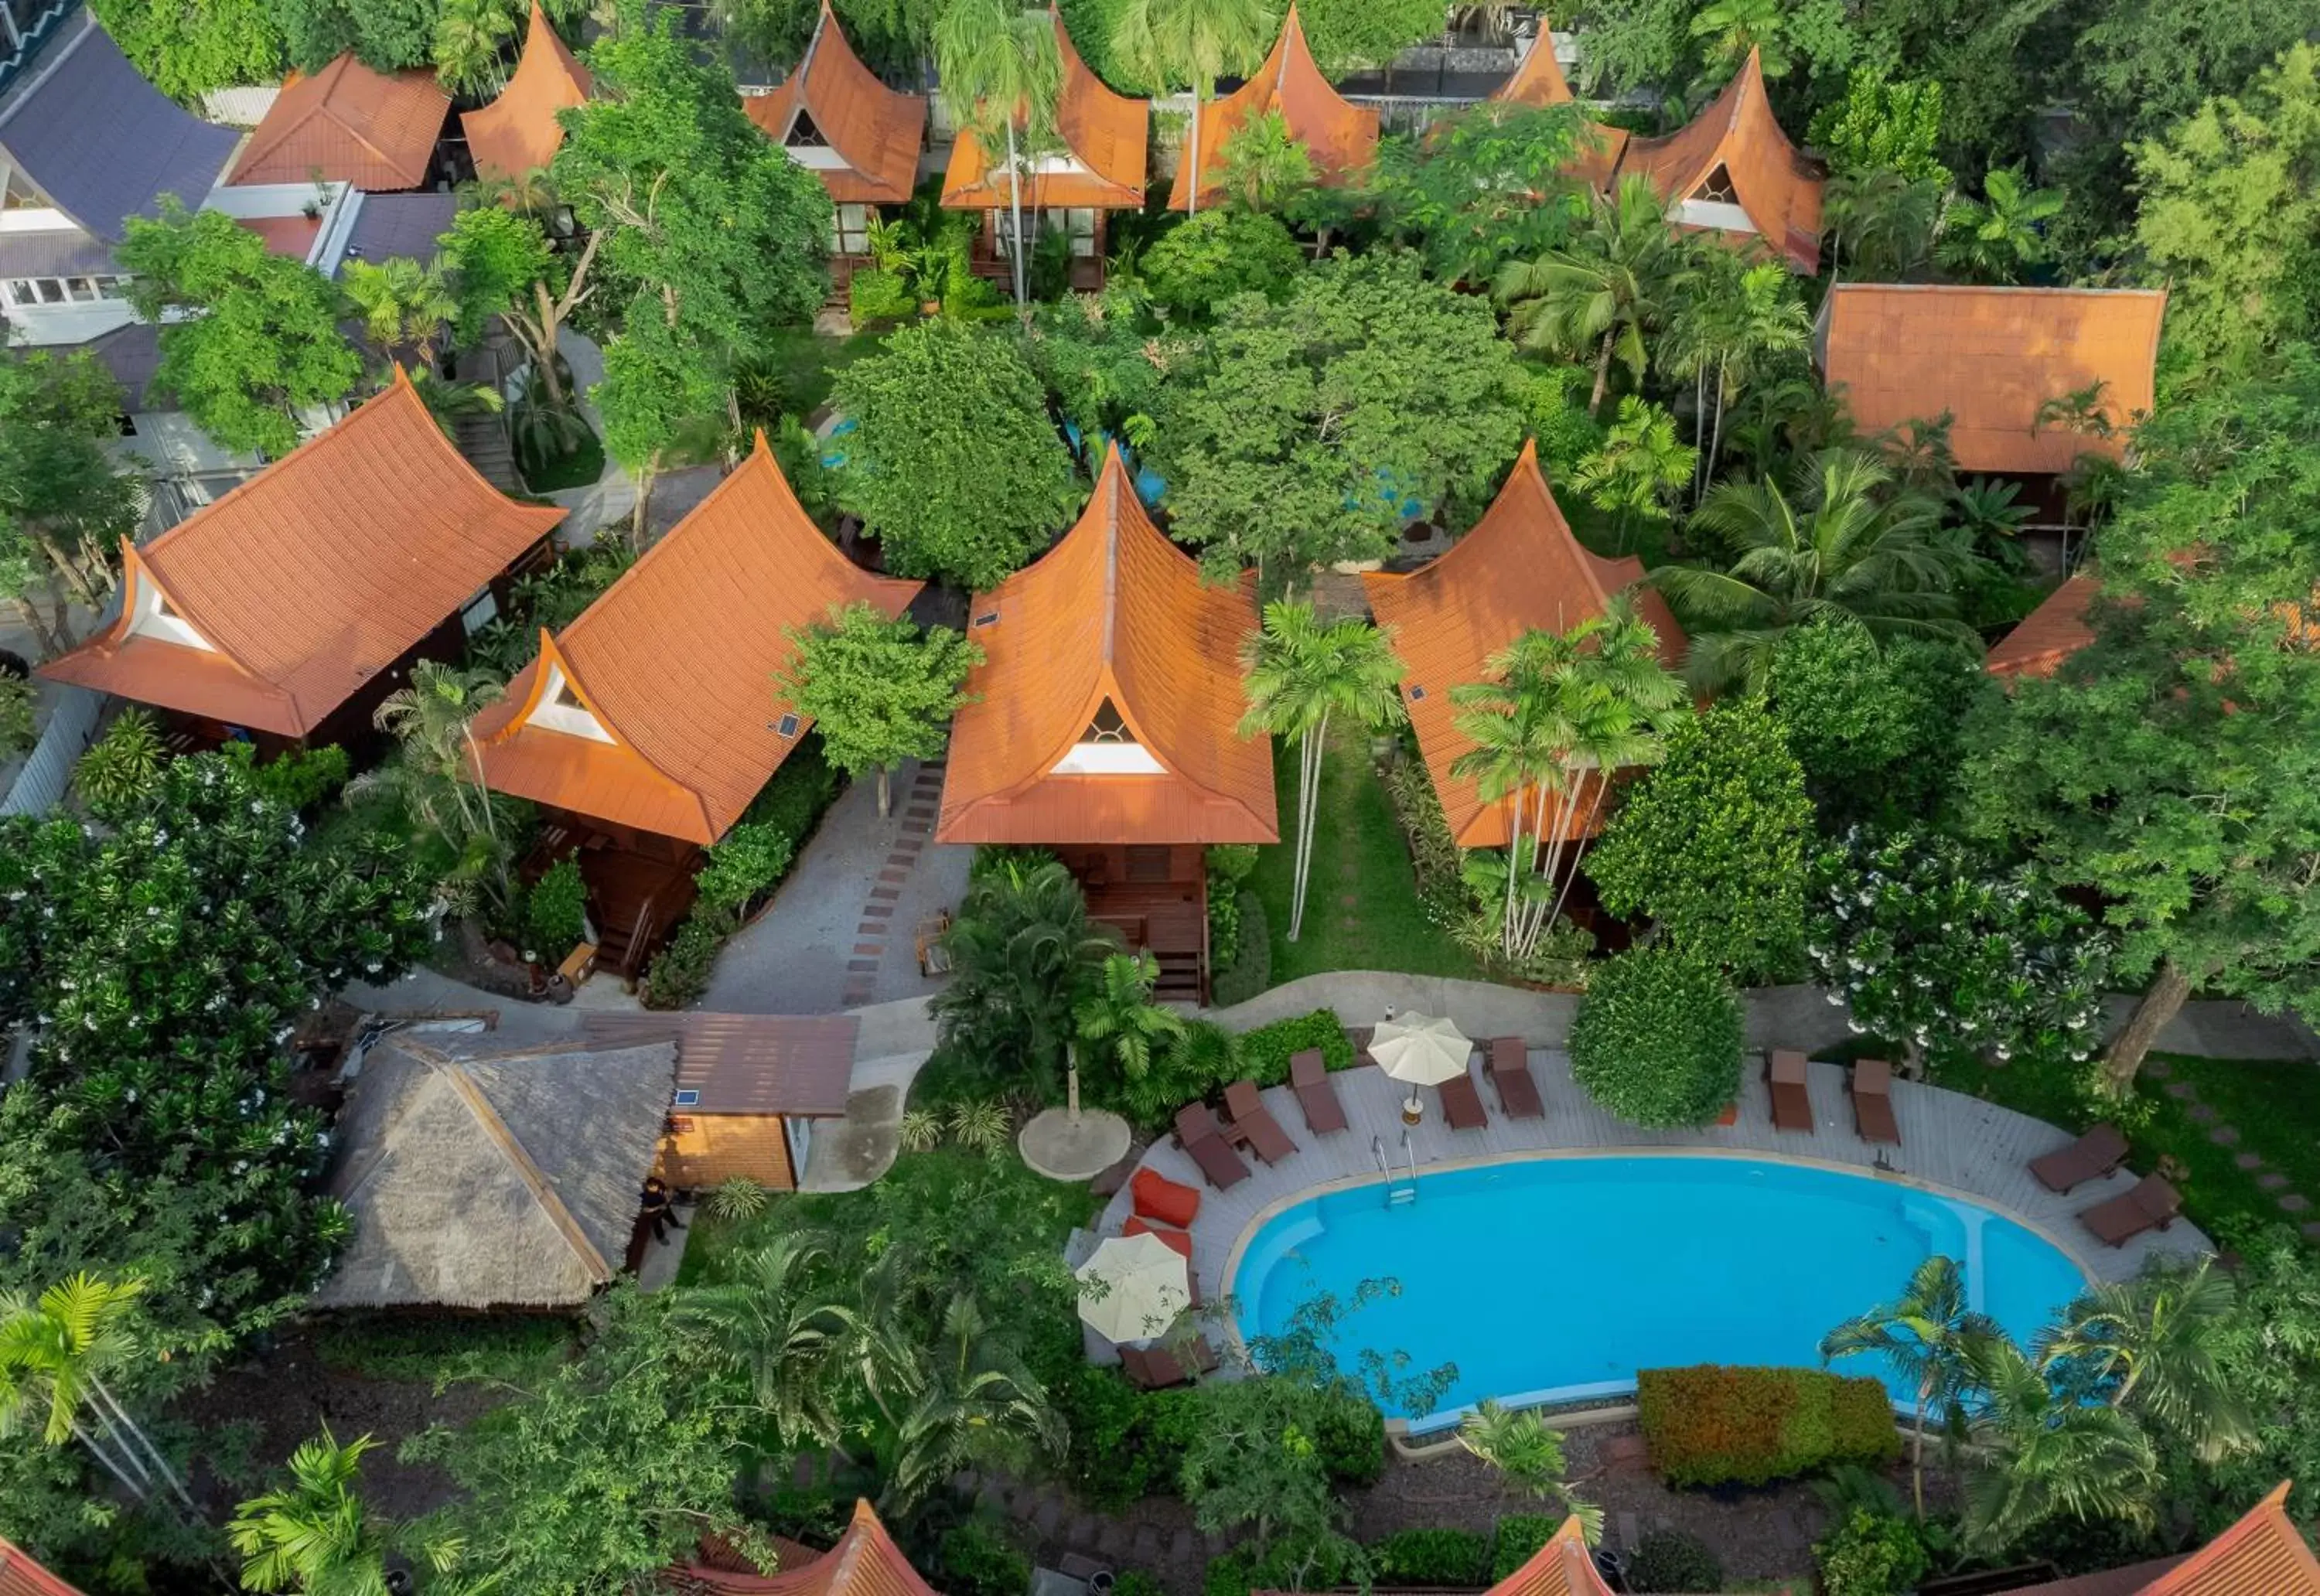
(1157, 1368)
(1873, 1101)
(1509, 1067)
(2152, 1205)
(1253, 1124)
(1462, 1104)
(1309, 1077)
(2090, 1157)
(1203, 1141)
(1785, 1075)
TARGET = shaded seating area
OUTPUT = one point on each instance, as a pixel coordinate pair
(1785, 1078)
(1309, 1077)
(1873, 1101)
(1509, 1062)
(2090, 1157)
(1252, 1125)
(2152, 1205)
(1202, 1138)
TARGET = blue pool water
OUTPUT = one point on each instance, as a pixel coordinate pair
(1556, 1278)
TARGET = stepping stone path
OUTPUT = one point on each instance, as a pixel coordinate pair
(877, 924)
(2226, 1135)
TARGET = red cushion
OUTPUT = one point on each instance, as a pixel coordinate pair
(1159, 1198)
(1177, 1239)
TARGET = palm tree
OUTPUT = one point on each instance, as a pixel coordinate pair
(1992, 238)
(1529, 1455)
(770, 1323)
(313, 1535)
(1640, 466)
(2042, 1453)
(439, 778)
(1000, 71)
(2147, 1346)
(1732, 28)
(403, 305)
(469, 35)
(1121, 1022)
(1761, 320)
(974, 1401)
(1023, 954)
(1193, 41)
(1262, 168)
(1603, 291)
(1881, 221)
(1298, 673)
(57, 1357)
(450, 402)
(1829, 546)
(1925, 1336)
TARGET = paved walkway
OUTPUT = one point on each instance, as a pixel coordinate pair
(2292, 1202)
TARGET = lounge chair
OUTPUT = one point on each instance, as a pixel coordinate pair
(2152, 1205)
(1175, 1240)
(1166, 1202)
(1157, 1368)
(1873, 1101)
(1203, 1141)
(1785, 1075)
(1462, 1104)
(2090, 1157)
(1253, 1124)
(1309, 1077)
(1509, 1067)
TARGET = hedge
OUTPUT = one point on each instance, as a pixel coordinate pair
(1714, 1425)
(1520, 1535)
(1250, 970)
(1458, 1558)
(1265, 1052)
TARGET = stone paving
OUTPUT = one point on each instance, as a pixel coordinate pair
(2293, 1204)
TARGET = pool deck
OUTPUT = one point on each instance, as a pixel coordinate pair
(1950, 1142)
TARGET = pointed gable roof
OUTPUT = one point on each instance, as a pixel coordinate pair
(872, 132)
(1562, 1567)
(657, 708)
(2262, 1554)
(1340, 137)
(20, 1575)
(1537, 82)
(274, 606)
(1991, 356)
(1114, 613)
(1104, 137)
(517, 132)
(1521, 568)
(349, 125)
(1778, 187)
(865, 1561)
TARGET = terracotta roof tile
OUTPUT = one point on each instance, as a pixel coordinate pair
(1104, 133)
(2050, 634)
(865, 1561)
(313, 576)
(1520, 569)
(518, 131)
(1341, 137)
(1778, 186)
(1562, 1567)
(874, 131)
(1538, 81)
(1991, 356)
(677, 662)
(21, 1577)
(1113, 611)
(375, 130)
(2262, 1554)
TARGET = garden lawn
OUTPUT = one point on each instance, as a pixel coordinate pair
(1362, 910)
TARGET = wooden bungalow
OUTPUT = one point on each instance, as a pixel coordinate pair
(1538, 81)
(1733, 171)
(285, 610)
(749, 1090)
(377, 130)
(1097, 166)
(517, 132)
(1520, 569)
(865, 1561)
(1341, 137)
(1990, 358)
(862, 139)
(649, 723)
(1102, 724)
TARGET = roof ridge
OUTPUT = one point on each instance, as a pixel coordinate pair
(462, 1080)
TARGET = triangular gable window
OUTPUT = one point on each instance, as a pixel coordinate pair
(1716, 188)
(803, 134)
(1109, 748)
(156, 617)
(560, 708)
(1108, 726)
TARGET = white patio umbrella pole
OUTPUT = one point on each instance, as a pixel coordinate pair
(1421, 1050)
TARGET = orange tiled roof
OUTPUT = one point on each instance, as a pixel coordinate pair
(1104, 133)
(1991, 356)
(2048, 635)
(374, 130)
(1340, 136)
(873, 129)
(1562, 1567)
(865, 1561)
(1518, 570)
(310, 578)
(517, 132)
(2262, 1554)
(21, 1577)
(1777, 186)
(675, 664)
(1538, 81)
(1113, 611)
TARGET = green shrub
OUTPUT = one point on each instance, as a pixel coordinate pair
(122, 766)
(1433, 857)
(1669, 1560)
(1224, 922)
(791, 805)
(1871, 1553)
(978, 1559)
(679, 973)
(747, 860)
(1349, 1433)
(1519, 1538)
(1251, 970)
(1135, 1582)
(1713, 1425)
(555, 912)
(1216, 254)
(877, 296)
(1265, 1052)
(1235, 861)
(300, 778)
(1285, 1566)
(17, 732)
(1126, 1444)
(1656, 1040)
(1431, 1557)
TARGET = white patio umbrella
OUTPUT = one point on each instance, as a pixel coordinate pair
(1144, 1287)
(1422, 1050)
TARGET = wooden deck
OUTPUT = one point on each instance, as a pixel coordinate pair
(1951, 1142)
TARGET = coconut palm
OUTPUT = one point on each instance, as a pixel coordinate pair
(403, 305)
(1835, 543)
(2147, 1346)
(771, 1323)
(1993, 237)
(1604, 291)
(58, 1356)
(1121, 1023)
(313, 1535)
(973, 1403)
(1023, 954)
(1880, 223)
(1298, 673)
(1262, 168)
(470, 36)
(1195, 42)
(2041, 1454)
(1000, 75)
(1925, 1335)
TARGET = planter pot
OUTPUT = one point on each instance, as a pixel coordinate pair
(1730, 1116)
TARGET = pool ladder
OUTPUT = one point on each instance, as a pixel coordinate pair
(1396, 1192)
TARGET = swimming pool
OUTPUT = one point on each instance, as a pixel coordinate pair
(1549, 1279)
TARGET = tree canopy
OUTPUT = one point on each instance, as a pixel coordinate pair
(879, 691)
(65, 504)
